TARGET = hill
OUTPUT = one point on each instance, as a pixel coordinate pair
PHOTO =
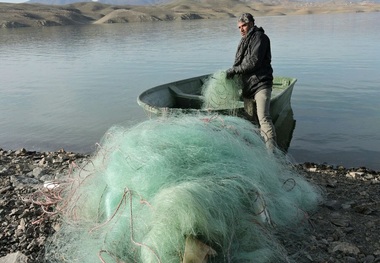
(110, 2)
(37, 15)
(156, 2)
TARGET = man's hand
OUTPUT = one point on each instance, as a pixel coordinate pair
(230, 73)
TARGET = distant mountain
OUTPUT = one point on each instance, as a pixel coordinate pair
(83, 13)
(154, 2)
(111, 2)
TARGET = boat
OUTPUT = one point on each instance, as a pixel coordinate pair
(185, 96)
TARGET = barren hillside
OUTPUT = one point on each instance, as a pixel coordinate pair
(37, 15)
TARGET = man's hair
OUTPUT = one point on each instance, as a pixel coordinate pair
(246, 18)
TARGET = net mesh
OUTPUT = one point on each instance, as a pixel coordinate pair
(221, 93)
(150, 186)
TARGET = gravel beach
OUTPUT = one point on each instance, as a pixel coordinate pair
(346, 228)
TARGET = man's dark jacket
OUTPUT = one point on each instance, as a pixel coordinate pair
(253, 62)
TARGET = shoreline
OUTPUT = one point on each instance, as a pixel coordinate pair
(40, 15)
(63, 156)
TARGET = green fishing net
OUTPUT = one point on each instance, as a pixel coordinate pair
(221, 93)
(149, 187)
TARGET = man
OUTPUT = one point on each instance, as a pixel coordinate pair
(253, 65)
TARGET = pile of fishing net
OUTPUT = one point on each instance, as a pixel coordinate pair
(153, 189)
(220, 93)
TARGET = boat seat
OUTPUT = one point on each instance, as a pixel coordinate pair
(180, 94)
(185, 100)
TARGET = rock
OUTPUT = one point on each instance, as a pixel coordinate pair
(37, 172)
(350, 260)
(369, 259)
(17, 257)
(345, 247)
(340, 222)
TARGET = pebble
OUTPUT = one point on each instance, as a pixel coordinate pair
(24, 227)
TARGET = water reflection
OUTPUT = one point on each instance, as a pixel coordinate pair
(285, 126)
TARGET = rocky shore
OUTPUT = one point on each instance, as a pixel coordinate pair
(25, 224)
(346, 228)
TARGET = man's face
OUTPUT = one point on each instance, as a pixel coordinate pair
(244, 28)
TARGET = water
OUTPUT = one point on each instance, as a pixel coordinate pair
(63, 87)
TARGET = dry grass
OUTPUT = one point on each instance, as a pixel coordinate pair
(26, 15)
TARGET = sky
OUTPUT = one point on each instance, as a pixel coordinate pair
(13, 1)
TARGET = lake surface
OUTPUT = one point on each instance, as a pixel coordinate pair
(63, 87)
